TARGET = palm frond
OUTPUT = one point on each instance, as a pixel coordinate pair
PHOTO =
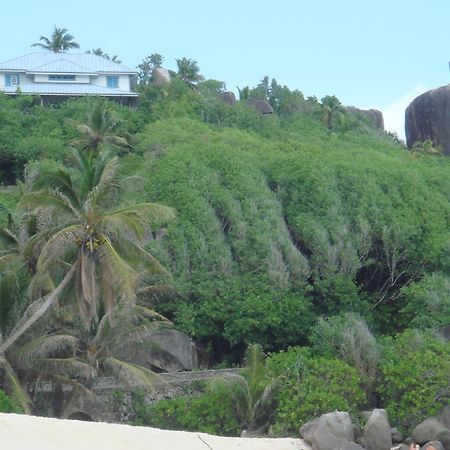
(131, 374)
(105, 189)
(44, 347)
(69, 367)
(49, 200)
(137, 256)
(58, 245)
(122, 277)
(14, 388)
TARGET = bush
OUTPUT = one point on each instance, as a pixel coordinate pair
(7, 405)
(414, 377)
(311, 386)
(348, 336)
(211, 412)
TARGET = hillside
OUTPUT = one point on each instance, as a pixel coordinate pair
(280, 219)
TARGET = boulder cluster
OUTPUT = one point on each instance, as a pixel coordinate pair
(335, 431)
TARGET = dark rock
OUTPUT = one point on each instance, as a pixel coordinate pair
(161, 76)
(169, 351)
(433, 445)
(397, 436)
(427, 118)
(228, 97)
(348, 445)
(444, 416)
(443, 436)
(329, 431)
(375, 116)
(427, 430)
(260, 105)
(377, 432)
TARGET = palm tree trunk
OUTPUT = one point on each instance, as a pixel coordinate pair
(51, 300)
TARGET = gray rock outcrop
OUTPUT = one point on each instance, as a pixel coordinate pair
(374, 116)
(427, 430)
(260, 105)
(228, 97)
(427, 118)
(161, 76)
(377, 432)
(169, 351)
(329, 431)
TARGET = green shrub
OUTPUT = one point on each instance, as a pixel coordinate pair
(414, 377)
(427, 302)
(7, 405)
(311, 386)
(211, 412)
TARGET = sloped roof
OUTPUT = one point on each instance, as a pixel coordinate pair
(67, 89)
(87, 63)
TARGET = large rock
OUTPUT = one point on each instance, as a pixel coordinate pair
(443, 436)
(161, 76)
(329, 431)
(427, 118)
(433, 445)
(427, 430)
(377, 432)
(375, 117)
(228, 97)
(169, 351)
(260, 105)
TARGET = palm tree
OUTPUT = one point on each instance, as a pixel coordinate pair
(93, 250)
(99, 128)
(77, 357)
(187, 71)
(251, 390)
(333, 110)
(99, 52)
(60, 41)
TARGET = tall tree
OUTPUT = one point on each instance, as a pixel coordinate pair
(99, 128)
(93, 250)
(99, 52)
(147, 66)
(188, 71)
(60, 41)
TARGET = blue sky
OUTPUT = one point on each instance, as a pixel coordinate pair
(369, 54)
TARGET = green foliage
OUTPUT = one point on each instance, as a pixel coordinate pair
(211, 412)
(7, 405)
(414, 377)
(427, 302)
(311, 386)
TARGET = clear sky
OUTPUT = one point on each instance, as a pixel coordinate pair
(371, 54)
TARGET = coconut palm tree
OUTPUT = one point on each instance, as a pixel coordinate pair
(93, 250)
(60, 41)
(99, 128)
(251, 390)
(75, 356)
(99, 52)
(187, 71)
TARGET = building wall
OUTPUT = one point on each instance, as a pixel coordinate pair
(124, 81)
(78, 79)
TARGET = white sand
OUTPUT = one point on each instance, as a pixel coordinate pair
(20, 432)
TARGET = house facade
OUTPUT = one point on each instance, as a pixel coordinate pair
(55, 77)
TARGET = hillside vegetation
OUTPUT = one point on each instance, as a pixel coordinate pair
(280, 220)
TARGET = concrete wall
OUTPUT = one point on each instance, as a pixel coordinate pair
(124, 82)
(113, 402)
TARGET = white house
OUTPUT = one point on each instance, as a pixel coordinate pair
(55, 77)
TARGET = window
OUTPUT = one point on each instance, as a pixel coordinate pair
(61, 78)
(11, 79)
(112, 81)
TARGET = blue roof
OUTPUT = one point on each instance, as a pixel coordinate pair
(67, 89)
(87, 63)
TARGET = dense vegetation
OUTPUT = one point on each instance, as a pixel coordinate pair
(306, 228)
